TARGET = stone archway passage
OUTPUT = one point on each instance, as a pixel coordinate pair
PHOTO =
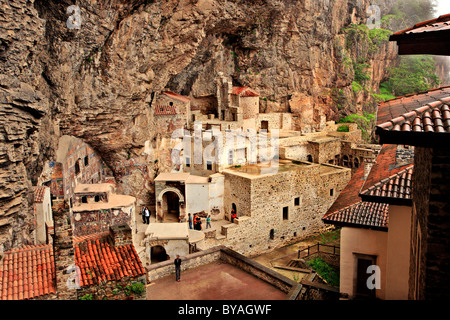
(171, 206)
(158, 254)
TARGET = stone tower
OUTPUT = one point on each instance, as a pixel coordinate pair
(63, 251)
(224, 87)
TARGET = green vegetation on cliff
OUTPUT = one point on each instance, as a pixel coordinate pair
(413, 74)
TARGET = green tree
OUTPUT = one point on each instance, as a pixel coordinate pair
(414, 74)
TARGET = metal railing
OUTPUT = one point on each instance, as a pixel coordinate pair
(318, 248)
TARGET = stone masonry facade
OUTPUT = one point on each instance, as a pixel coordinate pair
(274, 210)
(430, 257)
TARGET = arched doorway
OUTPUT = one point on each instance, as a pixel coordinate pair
(171, 206)
(158, 254)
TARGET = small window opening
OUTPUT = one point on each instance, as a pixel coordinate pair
(285, 213)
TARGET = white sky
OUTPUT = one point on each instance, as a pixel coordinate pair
(443, 7)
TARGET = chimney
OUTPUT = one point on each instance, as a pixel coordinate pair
(121, 234)
(63, 251)
(367, 167)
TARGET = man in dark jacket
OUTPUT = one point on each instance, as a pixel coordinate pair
(177, 263)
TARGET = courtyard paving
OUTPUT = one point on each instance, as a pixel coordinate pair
(215, 281)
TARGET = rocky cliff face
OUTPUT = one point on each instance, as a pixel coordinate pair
(98, 82)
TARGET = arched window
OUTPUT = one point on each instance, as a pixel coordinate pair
(77, 167)
(345, 161)
(356, 162)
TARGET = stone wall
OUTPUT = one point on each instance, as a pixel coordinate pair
(249, 106)
(307, 193)
(419, 222)
(276, 120)
(325, 149)
(438, 243)
(237, 191)
(296, 152)
(74, 154)
(430, 257)
(63, 251)
(89, 222)
(162, 269)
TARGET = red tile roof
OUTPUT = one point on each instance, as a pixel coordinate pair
(396, 187)
(428, 37)
(432, 117)
(348, 208)
(439, 24)
(39, 193)
(385, 166)
(394, 108)
(350, 194)
(244, 92)
(93, 236)
(98, 261)
(363, 214)
(177, 96)
(161, 110)
(424, 125)
(27, 273)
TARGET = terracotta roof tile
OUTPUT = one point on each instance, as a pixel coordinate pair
(362, 214)
(424, 119)
(161, 110)
(39, 193)
(177, 96)
(439, 24)
(27, 273)
(385, 166)
(397, 186)
(98, 260)
(244, 92)
(423, 122)
(417, 103)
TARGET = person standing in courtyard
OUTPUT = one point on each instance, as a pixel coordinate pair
(177, 263)
(147, 216)
(208, 221)
(143, 214)
(190, 220)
